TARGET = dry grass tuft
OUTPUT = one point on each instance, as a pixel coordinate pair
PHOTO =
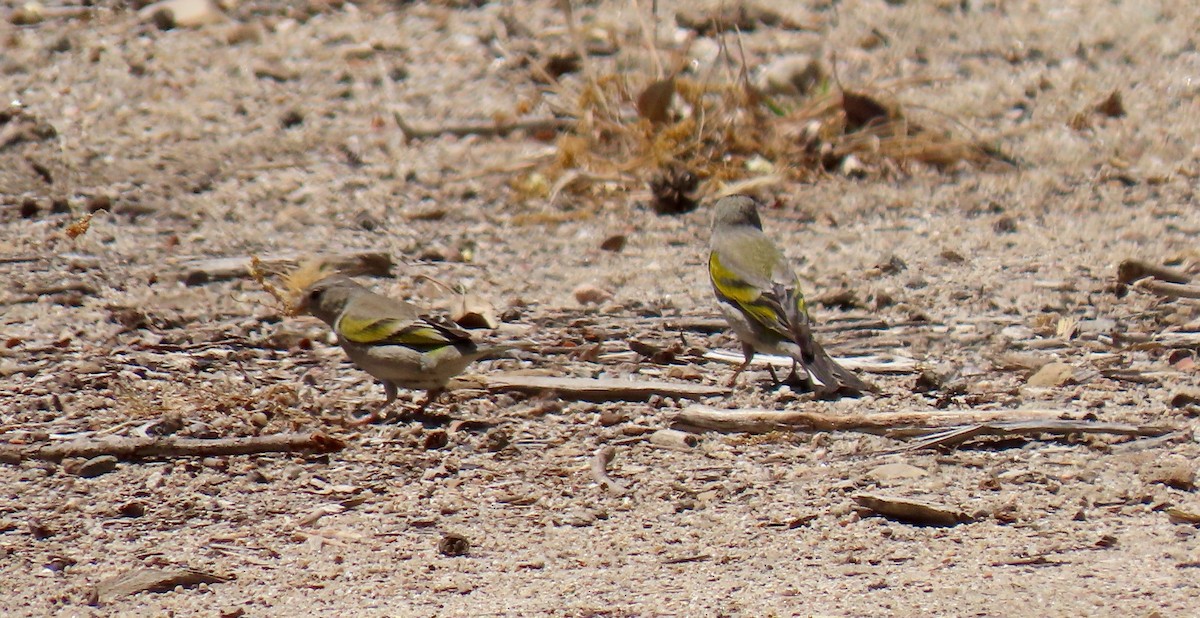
(294, 282)
(663, 131)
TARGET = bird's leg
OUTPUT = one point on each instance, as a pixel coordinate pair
(748, 352)
(431, 396)
(804, 383)
(392, 392)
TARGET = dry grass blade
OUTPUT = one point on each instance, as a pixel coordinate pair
(259, 275)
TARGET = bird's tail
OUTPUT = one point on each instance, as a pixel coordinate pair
(834, 377)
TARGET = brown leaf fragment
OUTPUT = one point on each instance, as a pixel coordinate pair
(912, 511)
(1112, 106)
(558, 65)
(471, 311)
(861, 110)
(1183, 399)
(614, 243)
(1184, 515)
(152, 580)
(654, 103)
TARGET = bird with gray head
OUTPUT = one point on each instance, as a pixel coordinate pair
(392, 340)
(759, 295)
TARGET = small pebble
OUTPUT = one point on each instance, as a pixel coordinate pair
(96, 466)
(588, 294)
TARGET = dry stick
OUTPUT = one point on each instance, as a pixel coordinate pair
(197, 272)
(16, 259)
(602, 389)
(674, 439)
(599, 468)
(915, 511)
(954, 437)
(872, 364)
(902, 424)
(482, 128)
(144, 448)
(1131, 270)
(704, 418)
(1164, 288)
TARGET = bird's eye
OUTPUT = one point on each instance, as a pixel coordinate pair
(315, 295)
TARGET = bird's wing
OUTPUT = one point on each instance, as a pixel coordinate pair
(756, 277)
(375, 319)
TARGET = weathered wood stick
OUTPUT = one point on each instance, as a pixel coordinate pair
(922, 512)
(151, 448)
(599, 468)
(481, 128)
(959, 435)
(1164, 288)
(602, 389)
(893, 423)
(1129, 271)
(872, 364)
(197, 272)
(674, 439)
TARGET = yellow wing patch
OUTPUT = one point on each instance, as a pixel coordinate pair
(748, 297)
(386, 330)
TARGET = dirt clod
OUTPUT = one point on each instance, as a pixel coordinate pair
(453, 545)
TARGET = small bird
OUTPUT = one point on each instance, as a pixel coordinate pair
(760, 296)
(391, 339)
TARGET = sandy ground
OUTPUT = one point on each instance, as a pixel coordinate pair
(271, 133)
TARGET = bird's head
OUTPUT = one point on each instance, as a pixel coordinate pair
(736, 210)
(327, 298)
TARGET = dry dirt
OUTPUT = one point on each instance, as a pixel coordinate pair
(271, 133)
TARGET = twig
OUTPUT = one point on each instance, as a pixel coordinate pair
(920, 512)
(1131, 270)
(482, 128)
(688, 558)
(1175, 340)
(599, 468)
(959, 435)
(703, 418)
(674, 439)
(1164, 288)
(147, 448)
(872, 364)
(16, 259)
(197, 272)
(603, 389)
